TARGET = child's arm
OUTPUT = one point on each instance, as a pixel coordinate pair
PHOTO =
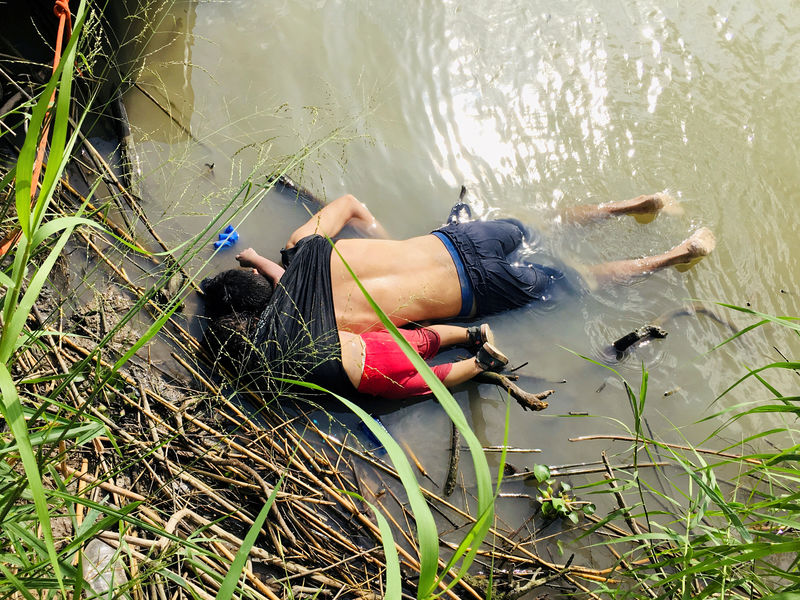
(269, 269)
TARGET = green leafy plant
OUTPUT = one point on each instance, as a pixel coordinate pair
(555, 498)
(20, 294)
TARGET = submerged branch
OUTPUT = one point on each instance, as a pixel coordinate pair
(526, 400)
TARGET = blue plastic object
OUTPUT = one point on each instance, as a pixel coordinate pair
(228, 237)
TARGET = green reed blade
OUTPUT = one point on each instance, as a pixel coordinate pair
(19, 314)
(228, 586)
(52, 227)
(19, 586)
(453, 410)
(394, 588)
(60, 151)
(82, 433)
(754, 372)
(12, 412)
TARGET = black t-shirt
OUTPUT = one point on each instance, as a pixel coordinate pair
(297, 336)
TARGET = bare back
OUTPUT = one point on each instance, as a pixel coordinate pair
(411, 280)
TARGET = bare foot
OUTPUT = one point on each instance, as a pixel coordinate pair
(701, 243)
(646, 204)
(670, 206)
(645, 208)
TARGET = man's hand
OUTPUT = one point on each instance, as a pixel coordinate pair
(248, 258)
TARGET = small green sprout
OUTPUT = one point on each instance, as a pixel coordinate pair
(558, 503)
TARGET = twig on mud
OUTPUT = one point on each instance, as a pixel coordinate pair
(632, 524)
(626, 438)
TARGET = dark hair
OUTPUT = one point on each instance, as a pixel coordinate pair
(229, 339)
(235, 290)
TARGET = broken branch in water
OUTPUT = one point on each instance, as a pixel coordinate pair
(526, 400)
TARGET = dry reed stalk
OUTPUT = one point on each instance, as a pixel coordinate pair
(625, 438)
(469, 519)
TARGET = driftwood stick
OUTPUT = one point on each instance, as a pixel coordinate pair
(455, 451)
(625, 438)
(611, 478)
(420, 467)
(526, 475)
(106, 221)
(168, 113)
(637, 335)
(526, 400)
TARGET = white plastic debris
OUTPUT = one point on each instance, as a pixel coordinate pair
(102, 567)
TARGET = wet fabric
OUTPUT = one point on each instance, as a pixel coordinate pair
(388, 373)
(498, 285)
(296, 337)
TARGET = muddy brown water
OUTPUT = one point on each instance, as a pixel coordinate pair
(535, 107)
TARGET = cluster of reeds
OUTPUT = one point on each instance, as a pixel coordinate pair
(720, 522)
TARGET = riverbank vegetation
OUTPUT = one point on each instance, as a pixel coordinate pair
(129, 469)
(721, 520)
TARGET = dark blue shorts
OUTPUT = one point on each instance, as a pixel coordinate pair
(496, 283)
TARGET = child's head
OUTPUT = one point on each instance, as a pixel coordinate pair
(235, 291)
(229, 340)
(229, 337)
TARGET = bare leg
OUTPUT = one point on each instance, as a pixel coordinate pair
(643, 207)
(682, 256)
(450, 335)
(462, 371)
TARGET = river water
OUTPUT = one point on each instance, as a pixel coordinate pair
(536, 107)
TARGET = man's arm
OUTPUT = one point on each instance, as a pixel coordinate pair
(329, 221)
(266, 267)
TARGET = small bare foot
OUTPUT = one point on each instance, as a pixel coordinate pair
(701, 243)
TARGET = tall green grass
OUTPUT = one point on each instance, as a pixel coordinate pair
(20, 294)
(33, 493)
(726, 524)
